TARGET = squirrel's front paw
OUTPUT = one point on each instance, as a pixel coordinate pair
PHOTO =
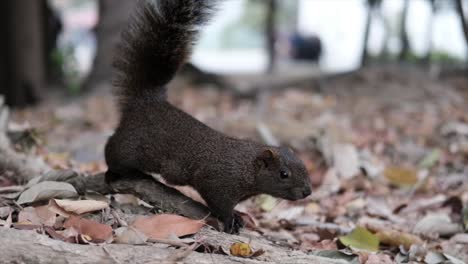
(233, 224)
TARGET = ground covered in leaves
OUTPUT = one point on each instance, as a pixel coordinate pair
(386, 148)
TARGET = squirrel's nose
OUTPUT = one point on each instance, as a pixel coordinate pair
(306, 192)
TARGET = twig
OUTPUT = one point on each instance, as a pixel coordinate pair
(118, 218)
(110, 255)
(266, 135)
(16, 188)
(182, 253)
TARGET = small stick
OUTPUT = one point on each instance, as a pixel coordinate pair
(110, 255)
(183, 253)
(118, 218)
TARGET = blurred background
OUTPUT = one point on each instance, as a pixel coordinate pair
(68, 45)
(283, 72)
(372, 94)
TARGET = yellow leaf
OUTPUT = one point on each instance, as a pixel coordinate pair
(241, 250)
(397, 238)
(361, 239)
(401, 177)
(267, 202)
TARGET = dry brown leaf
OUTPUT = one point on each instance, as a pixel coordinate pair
(129, 235)
(37, 216)
(401, 177)
(163, 225)
(81, 206)
(378, 259)
(397, 238)
(97, 231)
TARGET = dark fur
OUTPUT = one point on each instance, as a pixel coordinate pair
(154, 136)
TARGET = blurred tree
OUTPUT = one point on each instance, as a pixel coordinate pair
(404, 51)
(463, 21)
(270, 34)
(372, 5)
(427, 56)
(22, 51)
(113, 15)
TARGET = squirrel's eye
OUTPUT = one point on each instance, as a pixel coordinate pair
(284, 174)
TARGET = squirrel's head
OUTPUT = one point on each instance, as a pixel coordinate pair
(282, 174)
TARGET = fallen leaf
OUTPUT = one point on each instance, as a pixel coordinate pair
(378, 259)
(453, 259)
(397, 238)
(5, 212)
(129, 235)
(244, 250)
(465, 218)
(163, 225)
(37, 216)
(460, 238)
(436, 223)
(8, 221)
(346, 160)
(401, 177)
(431, 159)
(70, 235)
(241, 250)
(81, 206)
(26, 226)
(267, 202)
(361, 239)
(338, 255)
(434, 258)
(124, 199)
(47, 190)
(97, 231)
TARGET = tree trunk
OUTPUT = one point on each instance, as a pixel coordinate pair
(463, 21)
(403, 34)
(427, 57)
(364, 55)
(113, 16)
(23, 58)
(270, 33)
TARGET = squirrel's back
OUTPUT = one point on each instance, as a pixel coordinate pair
(157, 41)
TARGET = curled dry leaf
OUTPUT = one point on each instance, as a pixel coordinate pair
(81, 206)
(97, 231)
(163, 225)
(244, 250)
(397, 238)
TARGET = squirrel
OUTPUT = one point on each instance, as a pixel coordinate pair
(154, 136)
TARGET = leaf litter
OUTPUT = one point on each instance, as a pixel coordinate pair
(382, 160)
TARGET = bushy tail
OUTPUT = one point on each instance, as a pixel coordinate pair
(157, 41)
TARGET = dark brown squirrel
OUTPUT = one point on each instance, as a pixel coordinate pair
(156, 137)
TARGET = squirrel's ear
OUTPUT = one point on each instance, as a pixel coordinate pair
(266, 158)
